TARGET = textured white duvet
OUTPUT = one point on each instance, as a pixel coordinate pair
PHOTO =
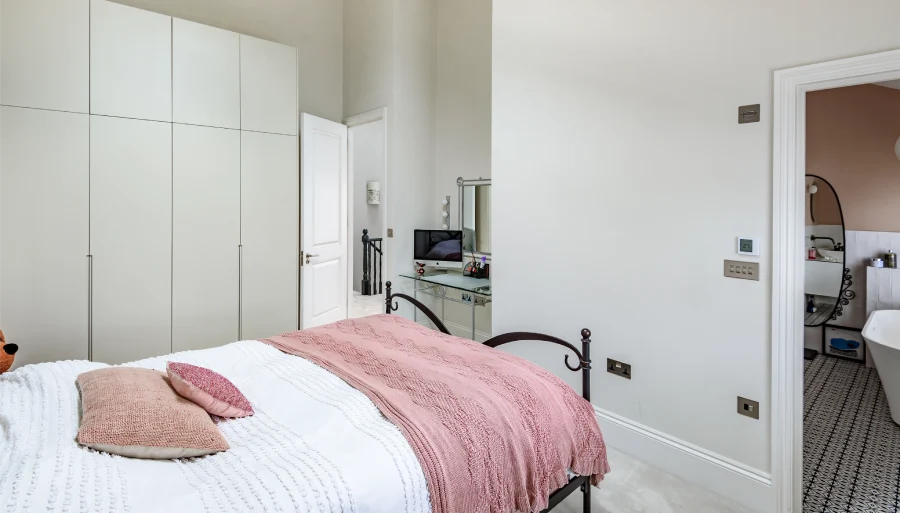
(315, 445)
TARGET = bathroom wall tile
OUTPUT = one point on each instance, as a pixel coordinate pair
(861, 247)
(895, 288)
(854, 260)
(883, 241)
(883, 276)
(871, 290)
(894, 241)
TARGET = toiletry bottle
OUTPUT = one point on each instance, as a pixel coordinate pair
(890, 259)
(812, 253)
(811, 306)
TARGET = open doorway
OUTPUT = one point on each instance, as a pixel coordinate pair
(367, 150)
(835, 443)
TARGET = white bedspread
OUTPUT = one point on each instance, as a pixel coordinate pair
(315, 445)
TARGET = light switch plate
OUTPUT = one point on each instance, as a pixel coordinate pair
(748, 407)
(748, 114)
(390, 233)
(742, 270)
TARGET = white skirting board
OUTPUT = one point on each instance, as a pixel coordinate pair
(730, 479)
(735, 481)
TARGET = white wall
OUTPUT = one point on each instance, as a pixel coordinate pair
(620, 120)
(314, 27)
(462, 126)
(368, 56)
(463, 130)
(414, 157)
(368, 165)
(390, 52)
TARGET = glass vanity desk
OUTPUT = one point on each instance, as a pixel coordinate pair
(436, 285)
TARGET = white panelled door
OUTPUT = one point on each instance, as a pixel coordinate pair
(323, 235)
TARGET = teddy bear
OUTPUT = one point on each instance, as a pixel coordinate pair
(7, 353)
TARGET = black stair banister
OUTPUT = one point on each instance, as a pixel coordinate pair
(373, 258)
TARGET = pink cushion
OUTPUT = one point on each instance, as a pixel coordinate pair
(135, 412)
(211, 390)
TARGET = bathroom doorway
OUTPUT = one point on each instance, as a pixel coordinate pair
(835, 446)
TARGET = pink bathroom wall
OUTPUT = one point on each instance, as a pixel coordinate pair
(850, 136)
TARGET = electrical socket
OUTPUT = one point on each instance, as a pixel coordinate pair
(618, 368)
(748, 407)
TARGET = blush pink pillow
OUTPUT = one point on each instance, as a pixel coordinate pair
(134, 412)
(210, 390)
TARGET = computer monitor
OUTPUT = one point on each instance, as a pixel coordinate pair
(438, 248)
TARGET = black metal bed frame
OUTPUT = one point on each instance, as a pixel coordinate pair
(584, 365)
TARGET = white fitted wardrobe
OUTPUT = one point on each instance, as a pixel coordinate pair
(149, 183)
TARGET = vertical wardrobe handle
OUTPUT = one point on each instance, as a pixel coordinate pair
(90, 307)
(240, 292)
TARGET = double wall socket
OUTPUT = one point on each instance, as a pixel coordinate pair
(742, 270)
(618, 368)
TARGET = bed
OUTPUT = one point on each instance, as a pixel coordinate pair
(315, 444)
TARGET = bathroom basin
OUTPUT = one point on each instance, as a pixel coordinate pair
(838, 256)
(882, 333)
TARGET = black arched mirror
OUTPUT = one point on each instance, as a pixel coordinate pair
(827, 276)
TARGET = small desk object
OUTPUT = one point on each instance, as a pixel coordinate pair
(436, 285)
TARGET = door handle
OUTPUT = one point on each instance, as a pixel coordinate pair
(308, 256)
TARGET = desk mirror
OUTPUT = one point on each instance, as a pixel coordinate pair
(475, 215)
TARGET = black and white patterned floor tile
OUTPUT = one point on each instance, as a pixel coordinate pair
(851, 447)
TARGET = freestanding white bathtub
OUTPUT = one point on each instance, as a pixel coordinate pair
(882, 333)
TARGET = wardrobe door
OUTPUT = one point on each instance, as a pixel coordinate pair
(44, 233)
(268, 86)
(205, 238)
(270, 211)
(206, 75)
(44, 54)
(131, 62)
(131, 238)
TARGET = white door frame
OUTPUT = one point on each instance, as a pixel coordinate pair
(357, 120)
(788, 186)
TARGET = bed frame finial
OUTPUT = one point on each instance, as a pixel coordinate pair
(586, 363)
(388, 308)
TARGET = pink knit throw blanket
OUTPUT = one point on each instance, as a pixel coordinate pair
(494, 433)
